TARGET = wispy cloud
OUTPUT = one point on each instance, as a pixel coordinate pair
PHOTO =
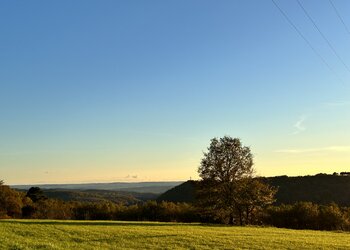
(131, 176)
(299, 125)
(337, 104)
(315, 150)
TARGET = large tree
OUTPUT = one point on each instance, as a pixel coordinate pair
(228, 188)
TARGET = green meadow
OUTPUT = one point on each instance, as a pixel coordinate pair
(42, 234)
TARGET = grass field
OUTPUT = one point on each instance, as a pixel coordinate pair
(41, 234)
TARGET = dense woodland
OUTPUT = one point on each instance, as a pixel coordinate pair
(35, 205)
(128, 198)
(321, 189)
(227, 193)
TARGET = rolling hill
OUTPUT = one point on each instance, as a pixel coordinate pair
(139, 187)
(128, 198)
(126, 193)
(320, 189)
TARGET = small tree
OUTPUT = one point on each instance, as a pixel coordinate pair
(36, 194)
(227, 189)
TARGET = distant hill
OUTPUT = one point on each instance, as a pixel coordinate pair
(98, 196)
(127, 198)
(185, 192)
(138, 187)
(320, 189)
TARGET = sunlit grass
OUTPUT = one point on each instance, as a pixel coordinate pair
(41, 234)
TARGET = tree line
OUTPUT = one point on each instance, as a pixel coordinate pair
(320, 189)
(34, 205)
(301, 215)
(228, 193)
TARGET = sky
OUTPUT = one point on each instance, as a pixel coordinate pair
(103, 91)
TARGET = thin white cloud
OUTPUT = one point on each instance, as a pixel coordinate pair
(130, 176)
(315, 150)
(299, 125)
(337, 104)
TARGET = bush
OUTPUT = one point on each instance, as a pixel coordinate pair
(10, 202)
(306, 215)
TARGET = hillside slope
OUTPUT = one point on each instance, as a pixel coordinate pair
(47, 234)
(99, 195)
(139, 187)
(320, 189)
(184, 192)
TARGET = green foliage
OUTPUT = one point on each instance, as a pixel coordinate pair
(94, 211)
(306, 215)
(46, 234)
(149, 211)
(52, 209)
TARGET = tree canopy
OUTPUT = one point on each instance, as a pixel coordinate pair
(36, 194)
(226, 160)
(228, 189)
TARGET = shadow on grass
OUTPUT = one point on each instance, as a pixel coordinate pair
(106, 223)
(93, 223)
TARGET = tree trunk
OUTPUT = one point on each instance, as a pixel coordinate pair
(247, 215)
(231, 220)
(240, 217)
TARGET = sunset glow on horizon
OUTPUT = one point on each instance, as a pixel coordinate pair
(134, 90)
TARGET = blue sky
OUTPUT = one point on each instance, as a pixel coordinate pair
(134, 90)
